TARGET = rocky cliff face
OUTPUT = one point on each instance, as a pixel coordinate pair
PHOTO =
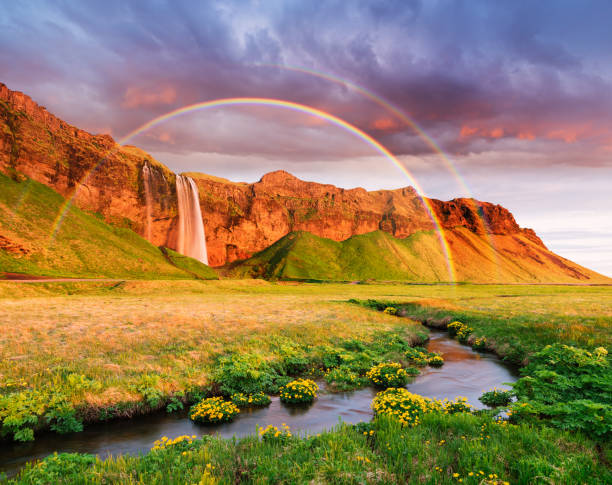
(239, 218)
(100, 175)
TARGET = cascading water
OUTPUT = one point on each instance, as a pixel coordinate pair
(191, 239)
(146, 179)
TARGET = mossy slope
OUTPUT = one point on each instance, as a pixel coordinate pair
(418, 258)
(83, 246)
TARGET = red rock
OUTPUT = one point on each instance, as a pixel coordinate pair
(239, 218)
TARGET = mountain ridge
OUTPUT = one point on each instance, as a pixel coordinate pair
(240, 219)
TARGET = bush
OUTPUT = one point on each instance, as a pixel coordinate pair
(436, 361)
(273, 434)
(569, 386)
(250, 400)
(388, 375)
(343, 378)
(247, 373)
(59, 468)
(459, 330)
(299, 391)
(390, 310)
(480, 343)
(213, 410)
(496, 397)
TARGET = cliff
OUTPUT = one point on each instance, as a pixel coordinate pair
(240, 219)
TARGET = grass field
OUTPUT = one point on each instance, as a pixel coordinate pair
(114, 337)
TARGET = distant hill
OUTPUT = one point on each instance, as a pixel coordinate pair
(417, 258)
(84, 246)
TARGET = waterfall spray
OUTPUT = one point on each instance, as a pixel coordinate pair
(191, 239)
(146, 179)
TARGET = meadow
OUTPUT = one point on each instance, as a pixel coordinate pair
(100, 350)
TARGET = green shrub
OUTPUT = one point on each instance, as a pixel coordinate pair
(59, 468)
(344, 378)
(300, 391)
(388, 375)
(147, 388)
(247, 373)
(436, 361)
(213, 410)
(24, 411)
(176, 402)
(496, 397)
(569, 386)
(250, 400)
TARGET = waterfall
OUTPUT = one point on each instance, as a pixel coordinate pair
(146, 179)
(191, 239)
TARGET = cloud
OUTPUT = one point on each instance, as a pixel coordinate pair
(473, 75)
(136, 97)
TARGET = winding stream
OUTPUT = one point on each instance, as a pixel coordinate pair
(465, 373)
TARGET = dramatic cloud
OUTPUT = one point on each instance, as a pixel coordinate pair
(493, 84)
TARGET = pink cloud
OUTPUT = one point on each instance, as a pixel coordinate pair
(135, 97)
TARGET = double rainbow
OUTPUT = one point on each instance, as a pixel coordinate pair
(334, 120)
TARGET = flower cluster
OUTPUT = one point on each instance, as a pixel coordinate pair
(496, 397)
(420, 357)
(416, 357)
(480, 343)
(408, 408)
(250, 400)
(388, 375)
(476, 477)
(213, 410)
(459, 405)
(299, 391)
(436, 361)
(165, 442)
(274, 434)
(459, 330)
(405, 406)
(390, 310)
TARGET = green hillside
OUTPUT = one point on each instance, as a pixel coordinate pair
(85, 246)
(376, 255)
(418, 258)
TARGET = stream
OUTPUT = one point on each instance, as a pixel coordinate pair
(465, 373)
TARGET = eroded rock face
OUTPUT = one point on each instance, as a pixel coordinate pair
(103, 177)
(239, 218)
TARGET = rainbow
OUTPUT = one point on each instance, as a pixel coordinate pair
(430, 142)
(334, 120)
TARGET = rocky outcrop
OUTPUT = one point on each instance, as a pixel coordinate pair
(240, 219)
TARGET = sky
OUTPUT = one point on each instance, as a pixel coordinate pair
(517, 95)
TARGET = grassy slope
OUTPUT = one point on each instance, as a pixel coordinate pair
(380, 256)
(85, 246)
